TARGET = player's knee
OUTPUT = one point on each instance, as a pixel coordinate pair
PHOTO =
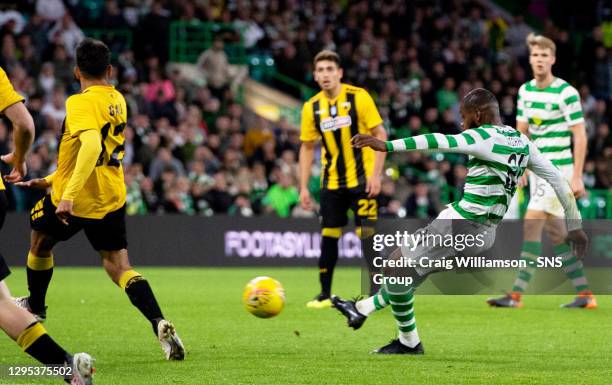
(115, 271)
(115, 263)
(556, 237)
(41, 246)
(532, 229)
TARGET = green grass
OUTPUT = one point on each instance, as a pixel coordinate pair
(465, 341)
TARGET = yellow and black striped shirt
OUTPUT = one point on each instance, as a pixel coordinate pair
(336, 121)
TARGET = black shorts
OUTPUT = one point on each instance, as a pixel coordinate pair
(106, 234)
(336, 203)
(4, 270)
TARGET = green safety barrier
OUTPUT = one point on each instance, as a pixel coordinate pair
(188, 39)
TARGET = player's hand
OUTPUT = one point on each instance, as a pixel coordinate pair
(577, 186)
(19, 168)
(373, 186)
(64, 211)
(40, 183)
(362, 140)
(306, 200)
(578, 241)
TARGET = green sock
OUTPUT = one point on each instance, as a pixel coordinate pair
(531, 251)
(573, 268)
(402, 307)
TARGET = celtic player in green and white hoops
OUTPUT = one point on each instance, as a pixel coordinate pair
(549, 110)
(499, 156)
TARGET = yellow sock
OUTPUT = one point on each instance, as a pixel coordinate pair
(30, 335)
(129, 277)
(38, 263)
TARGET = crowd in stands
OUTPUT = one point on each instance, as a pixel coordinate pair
(191, 148)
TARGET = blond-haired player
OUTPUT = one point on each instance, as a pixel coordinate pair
(549, 111)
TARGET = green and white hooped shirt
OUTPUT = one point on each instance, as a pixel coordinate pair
(550, 112)
(498, 157)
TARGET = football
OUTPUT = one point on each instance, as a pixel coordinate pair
(264, 297)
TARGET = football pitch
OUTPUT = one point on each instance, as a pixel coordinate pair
(465, 341)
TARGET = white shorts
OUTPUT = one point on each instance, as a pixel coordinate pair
(542, 197)
(444, 225)
(514, 208)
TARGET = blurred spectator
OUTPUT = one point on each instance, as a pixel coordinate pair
(241, 206)
(213, 62)
(63, 67)
(420, 204)
(192, 148)
(65, 32)
(135, 203)
(601, 142)
(111, 15)
(516, 34)
(386, 196)
(50, 10)
(46, 78)
(218, 197)
(55, 109)
(282, 196)
(256, 136)
(164, 161)
(154, 30)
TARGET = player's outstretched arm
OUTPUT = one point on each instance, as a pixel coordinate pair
(545, 170)
(23, 135)
(39, 183)
(363, 140)
(470, 142)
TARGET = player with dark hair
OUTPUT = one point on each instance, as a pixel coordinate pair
(88, 193)
(499, 156)
(16, 322)
(350, 178)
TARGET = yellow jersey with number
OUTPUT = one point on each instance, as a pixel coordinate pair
(8, 97)
(100, 108)
(335, 122)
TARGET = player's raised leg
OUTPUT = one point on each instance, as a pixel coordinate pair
(138, 290)
(356, 311)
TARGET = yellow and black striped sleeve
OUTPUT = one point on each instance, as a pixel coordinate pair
(308, 131)
(366, 109)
